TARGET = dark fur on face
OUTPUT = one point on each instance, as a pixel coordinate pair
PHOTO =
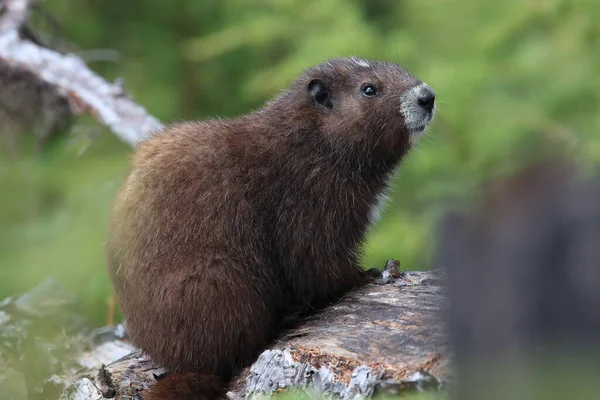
(225, 226)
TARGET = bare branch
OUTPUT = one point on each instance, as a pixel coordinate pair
(85, 90)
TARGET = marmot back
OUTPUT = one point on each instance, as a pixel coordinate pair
(225, 226)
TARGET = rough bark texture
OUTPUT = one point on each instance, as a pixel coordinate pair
(384, 337)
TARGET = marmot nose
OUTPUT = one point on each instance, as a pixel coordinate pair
(426, 97)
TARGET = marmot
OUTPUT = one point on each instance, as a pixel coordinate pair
(224, 226)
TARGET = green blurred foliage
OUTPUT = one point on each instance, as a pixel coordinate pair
(514, 79)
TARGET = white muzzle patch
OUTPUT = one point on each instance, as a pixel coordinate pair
(417, 106)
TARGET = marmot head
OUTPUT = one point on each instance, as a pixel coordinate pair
(372, 110)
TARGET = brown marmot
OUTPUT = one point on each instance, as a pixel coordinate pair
(225, 226)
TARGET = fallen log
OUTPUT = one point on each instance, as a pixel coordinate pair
(385, 337)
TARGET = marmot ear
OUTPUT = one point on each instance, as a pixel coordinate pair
(320, 93)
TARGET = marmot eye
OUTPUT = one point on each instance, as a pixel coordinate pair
(369, 90)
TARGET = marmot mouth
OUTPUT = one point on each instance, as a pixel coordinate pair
(418, 122)
(418, 129)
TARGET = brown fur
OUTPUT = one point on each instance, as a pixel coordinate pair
(224, 226)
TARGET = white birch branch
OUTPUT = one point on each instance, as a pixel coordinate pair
(85, 90)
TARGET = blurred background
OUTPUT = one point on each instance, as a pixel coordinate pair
(515, 80)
